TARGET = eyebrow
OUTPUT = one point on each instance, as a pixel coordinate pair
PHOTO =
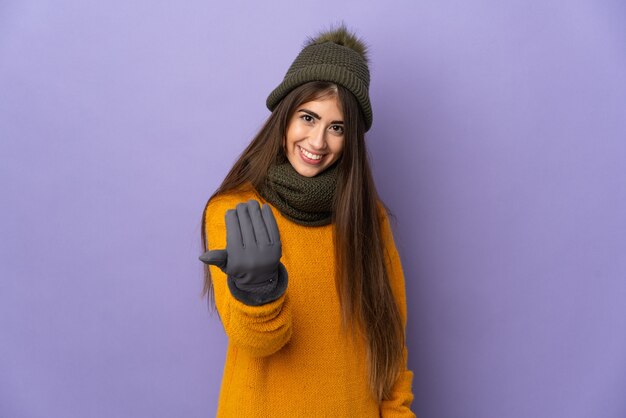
(316, 116)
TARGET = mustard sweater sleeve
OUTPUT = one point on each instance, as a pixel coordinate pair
(258, 330)
(398, 405)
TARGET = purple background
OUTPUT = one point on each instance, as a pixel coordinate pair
(498, 141)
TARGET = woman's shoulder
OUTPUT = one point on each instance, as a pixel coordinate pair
(387, 220)
(381, 210)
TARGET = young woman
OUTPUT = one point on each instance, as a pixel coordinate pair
(300, 257)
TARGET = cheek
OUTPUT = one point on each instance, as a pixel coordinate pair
(339, 147)
(296, 131)
(289, 137)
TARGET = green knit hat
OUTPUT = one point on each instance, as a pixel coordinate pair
(335, 55)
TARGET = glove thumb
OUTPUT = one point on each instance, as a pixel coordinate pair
(216, 257)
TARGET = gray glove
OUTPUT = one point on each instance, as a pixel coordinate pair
(251, 259)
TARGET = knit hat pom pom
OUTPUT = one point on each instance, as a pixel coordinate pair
(340, 36)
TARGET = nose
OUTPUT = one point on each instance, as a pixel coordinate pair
(317, 140)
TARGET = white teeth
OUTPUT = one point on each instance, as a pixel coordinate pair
(311, 156)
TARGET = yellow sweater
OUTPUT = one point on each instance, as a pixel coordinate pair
(289, 358)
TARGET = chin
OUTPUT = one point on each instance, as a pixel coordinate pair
(309, 172)
(306, 170)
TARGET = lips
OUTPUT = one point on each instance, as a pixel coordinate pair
(308, 160)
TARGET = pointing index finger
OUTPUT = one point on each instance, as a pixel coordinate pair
(233, 231)
(245, 223)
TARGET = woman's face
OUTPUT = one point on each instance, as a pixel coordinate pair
(314, 138)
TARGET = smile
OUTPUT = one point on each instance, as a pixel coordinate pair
(310, 154)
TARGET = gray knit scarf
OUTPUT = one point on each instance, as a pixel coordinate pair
(305, 200)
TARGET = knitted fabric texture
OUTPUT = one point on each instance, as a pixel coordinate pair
(328, 61)
(289, 357)
(304, 200)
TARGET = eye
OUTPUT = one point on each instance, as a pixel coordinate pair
(337, 129)
(307, 118)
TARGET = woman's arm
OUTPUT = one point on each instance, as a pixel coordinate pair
(260, 330)
(399, 403)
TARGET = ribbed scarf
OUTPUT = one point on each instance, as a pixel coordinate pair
(304, 200)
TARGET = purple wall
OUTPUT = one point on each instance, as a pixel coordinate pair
(498, 141)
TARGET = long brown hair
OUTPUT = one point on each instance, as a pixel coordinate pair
(367, 303)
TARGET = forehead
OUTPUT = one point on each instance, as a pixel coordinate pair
(328, 105)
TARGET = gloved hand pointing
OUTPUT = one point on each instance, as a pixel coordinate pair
(251, 259)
